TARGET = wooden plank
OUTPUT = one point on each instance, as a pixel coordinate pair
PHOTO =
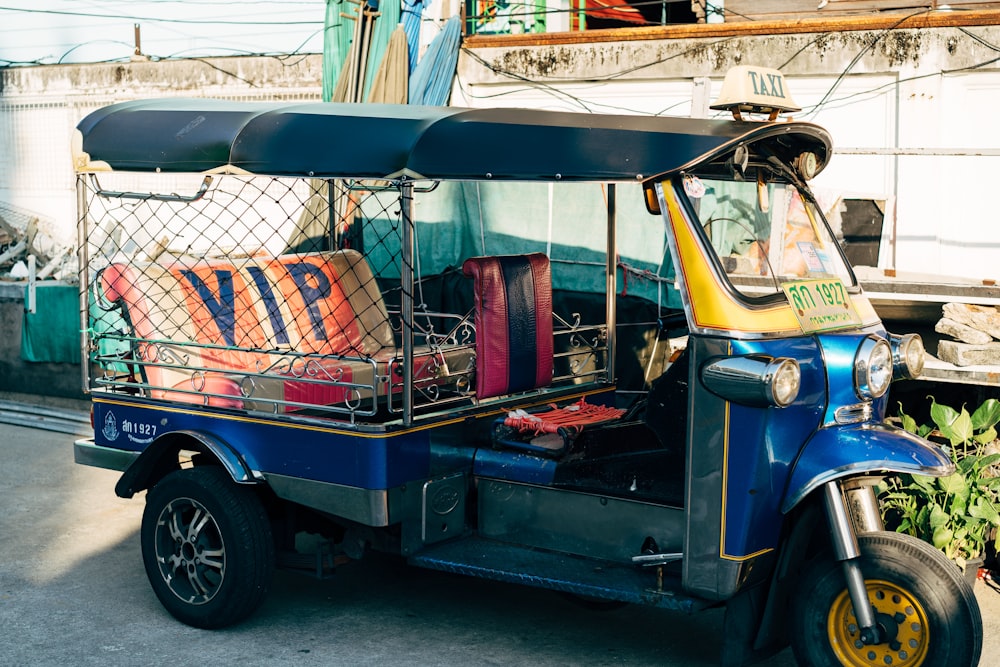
(743, 29)
(942, 371)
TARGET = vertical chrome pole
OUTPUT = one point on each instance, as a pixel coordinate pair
(612, 281)
(406, 300)
(83, 258)
(845, 546)
(333, 221)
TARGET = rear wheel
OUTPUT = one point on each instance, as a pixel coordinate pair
(207, 547)
(927, 612)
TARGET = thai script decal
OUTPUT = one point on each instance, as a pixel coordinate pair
(139, 432)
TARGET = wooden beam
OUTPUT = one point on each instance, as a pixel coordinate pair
(920, 20)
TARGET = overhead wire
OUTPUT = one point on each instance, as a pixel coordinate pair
(826, 100)
(575, 99)
(156, 19)
(547, 85)
(857, 58)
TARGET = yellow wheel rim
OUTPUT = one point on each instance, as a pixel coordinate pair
(896, 610)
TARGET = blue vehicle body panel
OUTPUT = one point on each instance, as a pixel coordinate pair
(839, 350)
(774, 457)
(514, 466)
(760, 449)
(364, 460)
(836, 452)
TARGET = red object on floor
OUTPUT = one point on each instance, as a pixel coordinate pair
(574, 417)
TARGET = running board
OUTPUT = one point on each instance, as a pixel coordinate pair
(499, 561)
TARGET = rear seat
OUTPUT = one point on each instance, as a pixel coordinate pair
(221, 318)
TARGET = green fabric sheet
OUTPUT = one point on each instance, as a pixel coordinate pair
(52, 332)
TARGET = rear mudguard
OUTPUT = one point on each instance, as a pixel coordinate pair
(843, 451)
(147, 469)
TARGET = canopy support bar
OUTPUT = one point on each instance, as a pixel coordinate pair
(612, 280)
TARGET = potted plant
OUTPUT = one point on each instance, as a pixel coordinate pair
(958, 513)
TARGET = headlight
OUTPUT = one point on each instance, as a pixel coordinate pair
(872, 368)
(907, 355)
(755, 381)
(785, 380)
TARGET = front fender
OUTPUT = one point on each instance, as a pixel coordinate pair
(841, 451)
(144, 469)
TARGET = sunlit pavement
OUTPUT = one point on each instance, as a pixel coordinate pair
(73, 592)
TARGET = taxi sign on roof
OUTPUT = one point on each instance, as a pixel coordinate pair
(755, 90)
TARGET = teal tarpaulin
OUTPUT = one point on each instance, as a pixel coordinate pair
(338, 32)
(52, 332)
(566, 221)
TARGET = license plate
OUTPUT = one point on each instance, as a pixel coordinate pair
(821, 305)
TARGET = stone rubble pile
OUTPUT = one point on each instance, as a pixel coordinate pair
(21, 235)
(976, 330)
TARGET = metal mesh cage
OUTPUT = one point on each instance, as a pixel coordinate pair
(285, 296)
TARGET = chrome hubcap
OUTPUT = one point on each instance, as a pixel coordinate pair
(190, 551)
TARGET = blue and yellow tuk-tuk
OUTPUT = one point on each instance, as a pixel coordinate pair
(619, 357)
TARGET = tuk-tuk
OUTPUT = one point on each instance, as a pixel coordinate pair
(619, 357)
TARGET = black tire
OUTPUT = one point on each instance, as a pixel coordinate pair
(920, 598)
(199, 512)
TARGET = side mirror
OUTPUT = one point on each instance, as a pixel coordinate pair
(740, 160)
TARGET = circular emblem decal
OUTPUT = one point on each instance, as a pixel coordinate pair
(445, 499)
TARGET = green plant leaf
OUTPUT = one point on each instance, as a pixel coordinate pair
(961, 429)
(988, 460)
(938, 517)
(942, 415)
(942, 537)
(986, 415)
(927, 485)
(954, 425)
(985, 510)
(954, 484)
(909, 423)
(989, 435)
(968, 466)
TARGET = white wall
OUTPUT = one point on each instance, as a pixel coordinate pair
(885, 91)
(912, 89)
(41, 106)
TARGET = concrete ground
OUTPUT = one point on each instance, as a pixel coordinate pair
(73, 592)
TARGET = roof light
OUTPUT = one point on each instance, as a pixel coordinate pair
(748, 89)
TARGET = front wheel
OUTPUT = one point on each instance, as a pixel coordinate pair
(925, 608)
(207, 547)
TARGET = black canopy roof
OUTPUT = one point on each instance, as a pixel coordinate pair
(328, 140)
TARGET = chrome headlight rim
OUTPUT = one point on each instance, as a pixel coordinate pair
(873, 368)
(753, 380)
(908, 355)
(784, 379)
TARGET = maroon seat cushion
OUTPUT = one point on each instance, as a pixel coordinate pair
(513, 317)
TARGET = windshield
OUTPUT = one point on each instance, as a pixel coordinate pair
(765, 234)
